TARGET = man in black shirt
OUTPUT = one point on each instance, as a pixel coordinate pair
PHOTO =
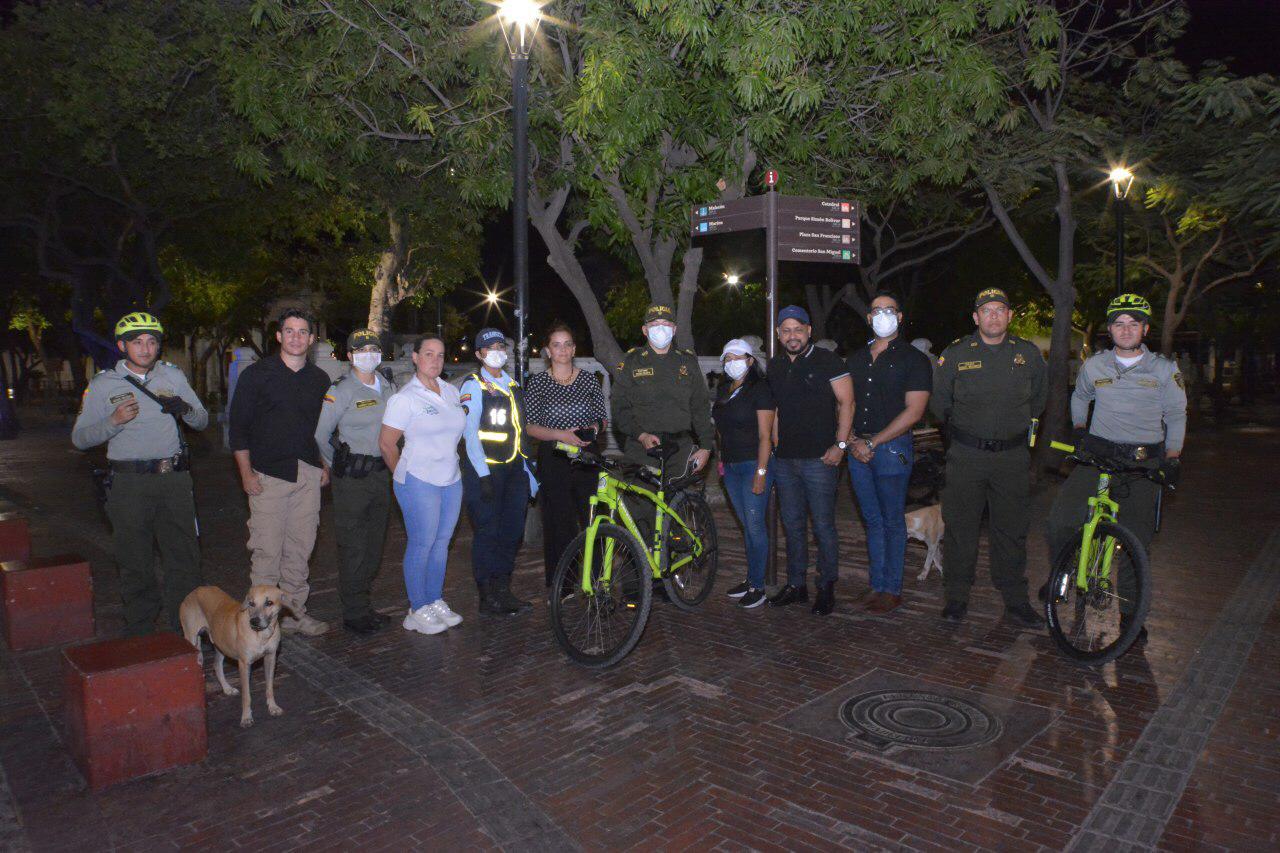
(891, 385)
(815, 411)
(273, 433)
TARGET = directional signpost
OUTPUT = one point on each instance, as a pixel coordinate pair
(797, 228)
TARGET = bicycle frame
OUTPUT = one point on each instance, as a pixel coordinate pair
(1101, 508)
(607, 505)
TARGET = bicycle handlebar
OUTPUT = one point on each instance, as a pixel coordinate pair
(1156, 475)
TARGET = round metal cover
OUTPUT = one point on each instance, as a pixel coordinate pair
(915, 719)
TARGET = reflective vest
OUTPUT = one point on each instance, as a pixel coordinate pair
(501, 427)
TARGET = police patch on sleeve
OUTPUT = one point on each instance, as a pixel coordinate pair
(328, 398)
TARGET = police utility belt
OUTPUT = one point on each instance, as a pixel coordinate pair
(180, 461)
(357, 466)
(1116, 450)
(991, 445)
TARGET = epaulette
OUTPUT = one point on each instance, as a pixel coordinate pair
(340, 378)
(689, 352)
(956, 341)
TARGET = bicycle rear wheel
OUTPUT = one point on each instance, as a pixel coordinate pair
(689, 585)
(599, 627)
(1085, 623)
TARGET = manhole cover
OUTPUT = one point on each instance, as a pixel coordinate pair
(916, 719)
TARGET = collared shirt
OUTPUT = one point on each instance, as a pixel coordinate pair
(151, 434)
(736, 414)
(432, 424)
(355, 410)
(1144, 403)
(274, 414)
(808, 411)
(880, 386)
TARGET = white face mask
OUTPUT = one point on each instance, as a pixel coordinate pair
(495, 358)
(366, 362)
(736, 369)
(884, 325)
(660, 336)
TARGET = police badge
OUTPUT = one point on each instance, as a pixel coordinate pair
(1019, 359)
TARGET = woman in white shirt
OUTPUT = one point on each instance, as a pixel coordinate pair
(427, 412)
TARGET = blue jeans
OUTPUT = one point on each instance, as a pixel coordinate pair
(749, 508)
(430, 514)
(807, 487)
(881, 487)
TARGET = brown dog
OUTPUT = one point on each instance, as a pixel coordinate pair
(243, 631)
(925, 524)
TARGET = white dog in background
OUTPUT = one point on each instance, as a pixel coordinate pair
(926, 525)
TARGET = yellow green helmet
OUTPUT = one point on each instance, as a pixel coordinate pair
(1129, 303)
(132, 325)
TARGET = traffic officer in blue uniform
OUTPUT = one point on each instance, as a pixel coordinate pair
(347, 436)
(135, 410)
(497, 477)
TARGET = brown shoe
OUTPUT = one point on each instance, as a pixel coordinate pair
(868, 595)
(886, 603)
(871, 600)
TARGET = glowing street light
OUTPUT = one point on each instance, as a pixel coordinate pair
(1121, 180)
(732, 279)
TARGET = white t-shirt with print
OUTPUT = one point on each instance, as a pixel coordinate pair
(432, 424)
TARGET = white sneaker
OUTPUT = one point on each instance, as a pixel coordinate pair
(424, 620)
(442, 611)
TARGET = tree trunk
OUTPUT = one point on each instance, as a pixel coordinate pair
(1169, 323)
(386, 275)
(684, 300)
(561, 258)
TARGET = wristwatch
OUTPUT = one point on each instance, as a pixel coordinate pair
(843, 445)
(870, 443)
(760, 472)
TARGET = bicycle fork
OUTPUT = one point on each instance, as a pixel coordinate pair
(1101, 508)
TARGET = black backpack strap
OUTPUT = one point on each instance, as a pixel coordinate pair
(177, 419)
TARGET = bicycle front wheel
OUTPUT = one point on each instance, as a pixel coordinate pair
(1085, 622)
(690, 583)
(599, 625)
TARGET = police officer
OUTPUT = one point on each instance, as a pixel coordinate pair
(661, 390)
(134, 408)
(1139, 417)
(361, 482)
(497, 479)
(988, 387)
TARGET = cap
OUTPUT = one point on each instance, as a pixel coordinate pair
(659, 311)
(793, 312)
(363, 338)
(991, 294)
(488, 337)
(737, 346)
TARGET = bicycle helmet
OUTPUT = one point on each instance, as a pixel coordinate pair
(132, 325)
(1129, 303)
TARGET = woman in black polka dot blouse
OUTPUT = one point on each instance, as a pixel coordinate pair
(563, 404)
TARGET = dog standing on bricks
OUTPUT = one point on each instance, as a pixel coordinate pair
(244, 631)
(926, 525)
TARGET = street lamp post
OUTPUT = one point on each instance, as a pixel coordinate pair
(520, 19)
(1121, 180)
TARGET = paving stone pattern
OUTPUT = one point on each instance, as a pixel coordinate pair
(486, 737)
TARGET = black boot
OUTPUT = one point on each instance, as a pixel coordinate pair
(826, 599)
(491, 604)
(502, 590)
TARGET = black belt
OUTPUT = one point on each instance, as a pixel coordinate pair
(991, 445)
(151, 466)
(1116, 450)
(357, 466)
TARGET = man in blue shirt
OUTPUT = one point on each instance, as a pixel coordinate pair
(497, 479)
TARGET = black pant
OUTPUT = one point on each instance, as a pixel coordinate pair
(498, 521)
(563, 491)
(360, 510)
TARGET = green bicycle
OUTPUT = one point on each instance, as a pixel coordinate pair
(1094, 577)
(603, 587)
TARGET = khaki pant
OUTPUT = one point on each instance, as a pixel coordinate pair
(282, 531)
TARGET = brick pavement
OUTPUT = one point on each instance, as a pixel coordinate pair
(487, 737)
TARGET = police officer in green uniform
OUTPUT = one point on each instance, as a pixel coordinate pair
(988, 387)
(134, 409)
(660, 390)
(1139, 418)
(361, 482)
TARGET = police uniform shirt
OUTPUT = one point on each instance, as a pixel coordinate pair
(661, 393)
(152, 434)
(1145, 403)
(880, 386)
(472, 394)
(990, 391)
(355, 410)
(807, 407)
